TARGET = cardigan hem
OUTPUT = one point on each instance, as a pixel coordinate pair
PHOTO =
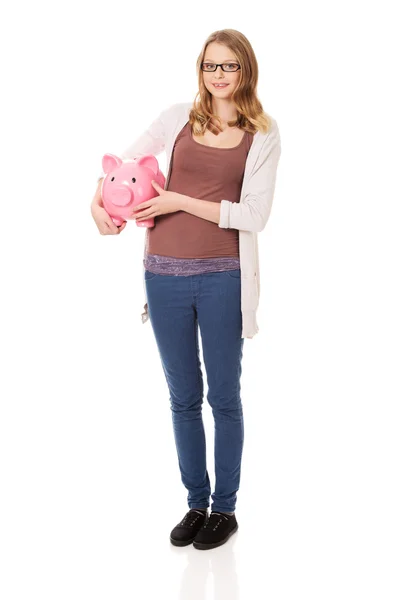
(250, 327)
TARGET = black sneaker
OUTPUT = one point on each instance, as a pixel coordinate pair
(216, 531)
(185, 532)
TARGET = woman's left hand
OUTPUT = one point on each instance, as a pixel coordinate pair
(166, 202)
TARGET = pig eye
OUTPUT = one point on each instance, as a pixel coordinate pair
(112, 179)
(133, 180)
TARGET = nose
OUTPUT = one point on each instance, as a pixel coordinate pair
(221, 74)
(121, 195)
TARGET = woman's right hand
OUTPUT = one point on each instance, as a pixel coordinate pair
(104, 222)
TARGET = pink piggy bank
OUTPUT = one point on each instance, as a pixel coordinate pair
(127, 184)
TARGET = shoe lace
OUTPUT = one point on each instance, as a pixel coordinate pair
(214, 520)
(190, 518)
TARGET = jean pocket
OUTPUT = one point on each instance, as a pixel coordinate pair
(148, 275)
(234, 273)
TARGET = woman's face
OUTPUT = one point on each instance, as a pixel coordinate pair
(220, 54)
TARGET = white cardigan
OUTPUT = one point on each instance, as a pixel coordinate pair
(249, 215)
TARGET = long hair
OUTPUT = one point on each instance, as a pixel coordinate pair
(250, 114)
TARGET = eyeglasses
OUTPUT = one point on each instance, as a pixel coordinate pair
(227, 67)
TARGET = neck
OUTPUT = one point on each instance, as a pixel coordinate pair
(225, 109)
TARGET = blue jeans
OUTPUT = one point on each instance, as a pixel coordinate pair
(178, 306)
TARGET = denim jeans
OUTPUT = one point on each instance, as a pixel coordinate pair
(178, 306)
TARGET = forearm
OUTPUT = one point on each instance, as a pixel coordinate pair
(97, 197)
(202, 208)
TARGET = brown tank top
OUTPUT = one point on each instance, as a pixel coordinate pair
(207, 173)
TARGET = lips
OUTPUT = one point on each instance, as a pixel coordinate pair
(221, 85)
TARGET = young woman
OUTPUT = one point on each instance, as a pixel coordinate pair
(201, 268)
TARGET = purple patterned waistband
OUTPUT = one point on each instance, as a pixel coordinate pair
(169, 265)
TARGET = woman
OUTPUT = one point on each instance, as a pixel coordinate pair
(201, 266)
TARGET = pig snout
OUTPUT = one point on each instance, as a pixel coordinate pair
(121, 195)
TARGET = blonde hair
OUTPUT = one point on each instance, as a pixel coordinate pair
(251, 117)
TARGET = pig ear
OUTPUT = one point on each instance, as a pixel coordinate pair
(149, 161)
(110, 162)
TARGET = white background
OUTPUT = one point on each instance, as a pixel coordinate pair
(90, 484)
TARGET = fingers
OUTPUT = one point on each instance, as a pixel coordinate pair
(113, 228)
(109, 228)
(104, 222)
(150, 215)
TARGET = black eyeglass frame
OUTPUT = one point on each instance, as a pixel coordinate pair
(219, 65)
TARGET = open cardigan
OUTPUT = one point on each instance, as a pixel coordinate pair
(249, 215)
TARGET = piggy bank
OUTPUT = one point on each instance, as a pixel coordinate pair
(127, 183)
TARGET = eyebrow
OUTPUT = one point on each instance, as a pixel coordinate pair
(226, 60)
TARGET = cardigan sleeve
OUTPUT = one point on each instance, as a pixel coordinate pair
(252, 213)
(150, 141)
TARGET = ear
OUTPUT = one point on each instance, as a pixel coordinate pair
(110, 162)
(149, 161)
